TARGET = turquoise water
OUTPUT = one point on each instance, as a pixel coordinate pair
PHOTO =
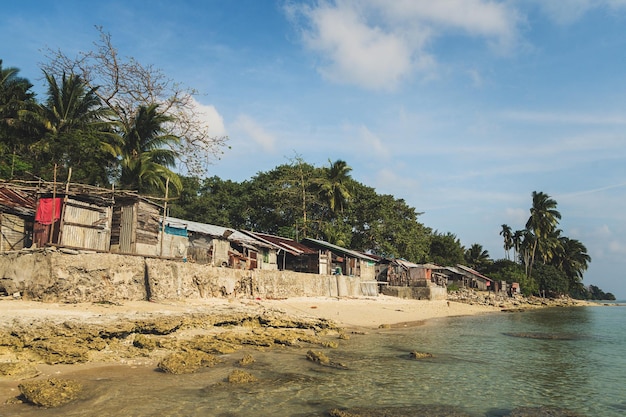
(571, 358)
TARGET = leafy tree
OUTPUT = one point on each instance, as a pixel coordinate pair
(277, 200)
(15, 96)
(551, 280)
(386, 226)
(509, 271)
(213, 201)
(446, 249)
(145, 153)
(477, 258)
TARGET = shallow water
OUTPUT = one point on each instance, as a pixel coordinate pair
(486, 366)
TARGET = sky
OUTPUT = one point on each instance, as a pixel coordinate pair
(462, 108)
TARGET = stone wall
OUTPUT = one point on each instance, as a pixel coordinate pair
(51, 275)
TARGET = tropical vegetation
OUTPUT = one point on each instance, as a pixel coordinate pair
(83, 131)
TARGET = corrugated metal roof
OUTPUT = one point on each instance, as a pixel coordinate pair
(339, 249)
(17, 202)
(473, 272)
(216, 231)
(286, 244)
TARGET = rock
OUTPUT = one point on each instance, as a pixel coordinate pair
(240, 377)
(420, 355)
(246, 360)
(144, 342)
(51, 392)
(321, 359)
(18, 370)
(186, 362)
(66, 350)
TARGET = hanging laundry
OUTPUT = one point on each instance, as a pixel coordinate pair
(45, 209)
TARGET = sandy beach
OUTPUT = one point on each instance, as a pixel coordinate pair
(346, 312)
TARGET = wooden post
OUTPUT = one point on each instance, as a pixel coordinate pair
(167, 186)
(54, 194)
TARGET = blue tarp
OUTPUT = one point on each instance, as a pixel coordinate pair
(176, 231)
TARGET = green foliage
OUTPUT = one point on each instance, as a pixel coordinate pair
(477, 258)
(552, 281)
(593, 293)
(386, 226)
(445, 249)
(287, 201)
(509, 271)
(146, 155)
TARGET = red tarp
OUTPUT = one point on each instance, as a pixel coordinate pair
(45, 207)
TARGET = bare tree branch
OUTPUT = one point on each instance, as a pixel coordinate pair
(124, 84)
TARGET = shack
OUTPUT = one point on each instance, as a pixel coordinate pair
(334, 259)
(17, 213)
(136, 226)
(223, 246)
(474, 279)
(78, 217)
(291, 255)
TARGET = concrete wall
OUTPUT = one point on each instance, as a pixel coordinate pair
(53, 276)
(49, 275)
(416, 293)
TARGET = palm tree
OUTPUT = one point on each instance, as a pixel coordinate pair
(542, 221)
(508, 239)
(77, 132)
(572, 259)
(146, 156)
(476, 257)
(517, 238)
(333, 186)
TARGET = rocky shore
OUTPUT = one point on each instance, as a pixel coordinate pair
(185, 337)
(514, 303)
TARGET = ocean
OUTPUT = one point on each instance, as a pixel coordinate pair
(487, 365)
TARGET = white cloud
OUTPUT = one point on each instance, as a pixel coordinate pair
(355, 52)
(211, 117)
(256, 132)
(376, 44)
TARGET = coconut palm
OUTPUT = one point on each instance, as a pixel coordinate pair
(508, 239)
(75, 130)
(572, 259)
(517, 238)
(146, 153)
(334, 186)
(543, 219)
(476, 257)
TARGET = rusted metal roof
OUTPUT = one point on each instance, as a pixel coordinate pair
(17, 202)
(338, 249)
(473, 272)
(286, 244)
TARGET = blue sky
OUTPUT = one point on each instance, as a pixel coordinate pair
(461, 107)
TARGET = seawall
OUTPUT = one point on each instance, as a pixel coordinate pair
(64, 276)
